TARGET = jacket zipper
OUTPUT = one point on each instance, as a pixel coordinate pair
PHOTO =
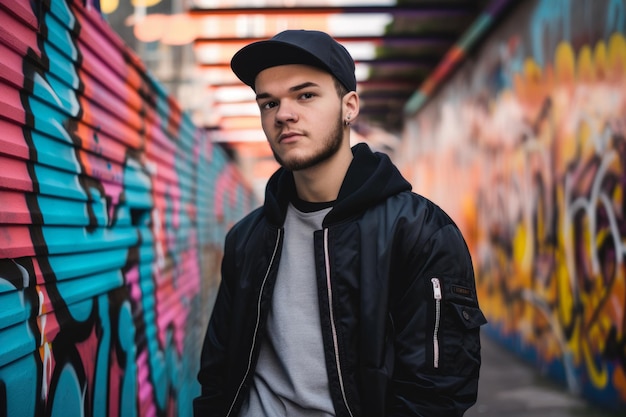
(332, 321)
(437, 296)
(258, 321)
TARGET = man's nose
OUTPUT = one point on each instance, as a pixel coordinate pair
(286, 114)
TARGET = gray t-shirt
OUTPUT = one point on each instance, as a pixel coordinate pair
(290, 377)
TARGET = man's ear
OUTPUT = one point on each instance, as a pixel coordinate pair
(350, 104)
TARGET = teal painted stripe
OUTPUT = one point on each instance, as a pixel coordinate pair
(55, 153)
(471, 37)
(20, 380)
(17, 341)
(55, 182)
(14, 308)
(59, 35)
(65, 212)
(65, 240)
(74, 265)
(62, 12)
(415, 102)
(480, 26)
(84, 289)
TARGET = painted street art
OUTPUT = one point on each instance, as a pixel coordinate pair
(525, 146)
(113, 209)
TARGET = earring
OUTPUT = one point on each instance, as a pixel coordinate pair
(347, 121)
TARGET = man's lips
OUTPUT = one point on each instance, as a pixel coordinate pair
(288, 135)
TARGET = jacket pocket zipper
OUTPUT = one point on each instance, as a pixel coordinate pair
(437, 296)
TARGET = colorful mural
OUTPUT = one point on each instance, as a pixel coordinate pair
(113, 209)
(525, 146)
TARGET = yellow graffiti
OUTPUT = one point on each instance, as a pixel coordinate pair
(109, 6)
(579, 105)
(145, 3)
(549, 240)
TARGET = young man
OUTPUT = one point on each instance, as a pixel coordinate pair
(346, 294)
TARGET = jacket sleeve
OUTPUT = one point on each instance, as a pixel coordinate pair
(436, 321)
(213, 361)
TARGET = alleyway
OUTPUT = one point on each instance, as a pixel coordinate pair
(511, 388)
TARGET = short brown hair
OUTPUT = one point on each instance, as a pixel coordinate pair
(341, 89)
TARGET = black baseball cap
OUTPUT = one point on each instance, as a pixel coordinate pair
(306, 47)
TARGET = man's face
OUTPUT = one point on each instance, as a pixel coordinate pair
(301, 114)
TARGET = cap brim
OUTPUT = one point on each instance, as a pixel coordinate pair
(248, 62)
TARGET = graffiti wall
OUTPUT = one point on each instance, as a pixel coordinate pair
(113, 208)
(525, 146)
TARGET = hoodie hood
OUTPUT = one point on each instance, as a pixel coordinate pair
(371, 178)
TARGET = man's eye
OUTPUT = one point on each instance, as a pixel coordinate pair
(307, 95)
(268, 105)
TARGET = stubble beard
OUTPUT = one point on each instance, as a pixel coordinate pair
(332, 144)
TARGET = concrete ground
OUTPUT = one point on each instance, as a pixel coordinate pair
(509, 387)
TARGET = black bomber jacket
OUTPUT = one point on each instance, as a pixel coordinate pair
(400, 317)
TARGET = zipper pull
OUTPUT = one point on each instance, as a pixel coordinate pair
(436, 288)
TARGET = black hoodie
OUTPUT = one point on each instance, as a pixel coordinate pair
(400, 317)
(370, 179)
